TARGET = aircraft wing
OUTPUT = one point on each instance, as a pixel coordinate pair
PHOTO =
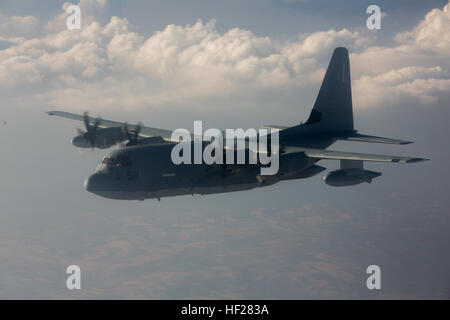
(340, 155)
(373, 139)
(274, 127)
(146, 132)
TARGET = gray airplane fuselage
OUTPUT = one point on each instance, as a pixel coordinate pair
(146, 172)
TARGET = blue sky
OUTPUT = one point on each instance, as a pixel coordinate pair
(231, 64)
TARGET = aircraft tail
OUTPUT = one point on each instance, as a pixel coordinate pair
(332, 114)
(333, 110)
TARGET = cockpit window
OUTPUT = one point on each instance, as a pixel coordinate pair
(119, 162)
(107, 160)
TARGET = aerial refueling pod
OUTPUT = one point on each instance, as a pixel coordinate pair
(351, 173)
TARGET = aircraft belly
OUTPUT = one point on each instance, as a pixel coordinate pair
(122, 195)
(202, 190)
(203, 180)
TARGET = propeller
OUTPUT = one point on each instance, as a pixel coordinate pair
(91, 129)
(132, 135)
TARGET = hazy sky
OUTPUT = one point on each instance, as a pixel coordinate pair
(230, 64)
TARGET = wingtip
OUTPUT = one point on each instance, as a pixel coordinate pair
(413, 160)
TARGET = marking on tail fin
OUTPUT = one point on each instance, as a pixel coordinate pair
(343, 72)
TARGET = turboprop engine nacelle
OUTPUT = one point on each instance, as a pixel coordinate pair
(349, 177)
(102, 138)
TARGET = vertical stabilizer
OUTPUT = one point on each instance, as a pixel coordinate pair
(333, 109)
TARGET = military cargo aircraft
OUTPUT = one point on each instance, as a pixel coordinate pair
(143, 169)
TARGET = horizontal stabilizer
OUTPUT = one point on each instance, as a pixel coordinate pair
(373, 139)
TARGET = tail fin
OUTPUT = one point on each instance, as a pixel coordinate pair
(333, 109)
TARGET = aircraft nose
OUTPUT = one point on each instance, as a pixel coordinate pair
(96, 182)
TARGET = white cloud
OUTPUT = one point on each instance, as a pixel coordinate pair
(433, 33)
(16, 26)
(416, 69)
(410, 84)
(111, 66)
(195, 61)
